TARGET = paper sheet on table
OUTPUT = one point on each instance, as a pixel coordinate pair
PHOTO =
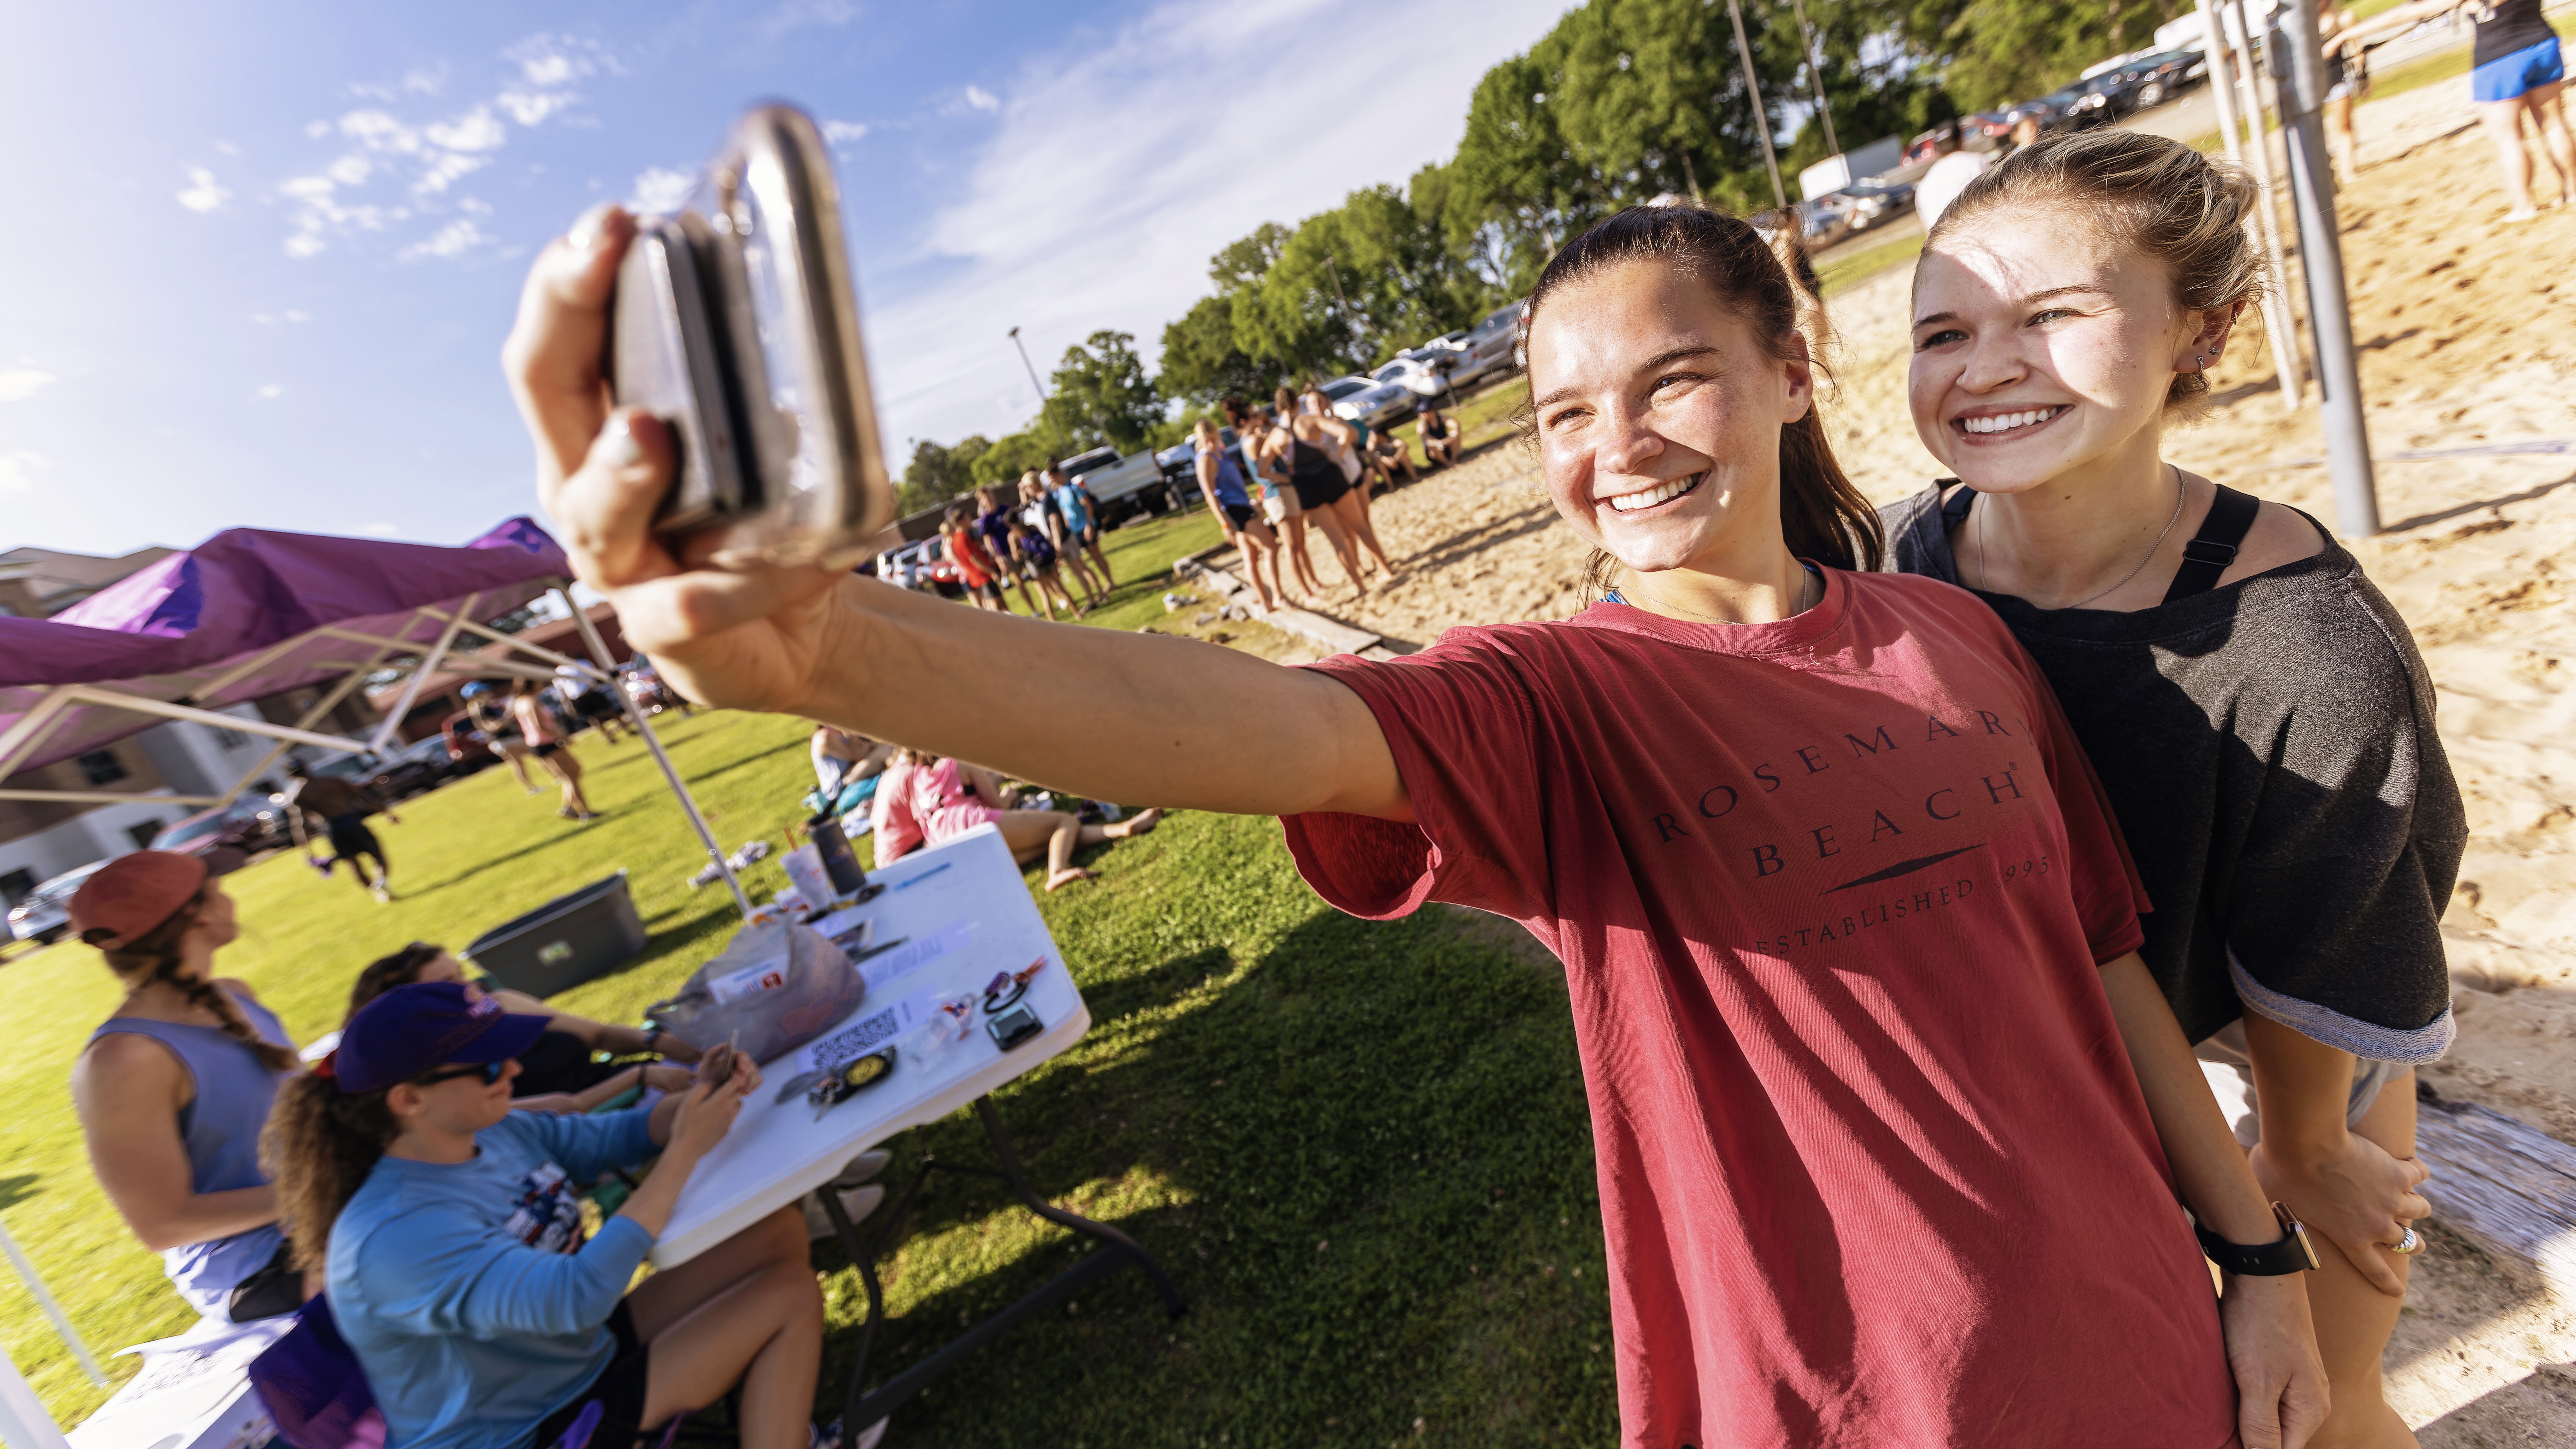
(874, 1027)
(196, 1384)
(912, 955)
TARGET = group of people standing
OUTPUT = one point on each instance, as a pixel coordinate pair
(1033, 540)
(522, 722)
(426, 1173)
(1294, 464)
(1918, 876)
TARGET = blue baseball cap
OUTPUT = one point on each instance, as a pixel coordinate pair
(419, 1028)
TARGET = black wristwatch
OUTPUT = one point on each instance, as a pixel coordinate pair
(2292, 1254)
(653, 1038)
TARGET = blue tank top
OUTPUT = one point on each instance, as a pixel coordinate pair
(220, 1129)
(1229, 481)
(1068, 502)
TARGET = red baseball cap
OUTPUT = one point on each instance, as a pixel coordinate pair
(134, 893)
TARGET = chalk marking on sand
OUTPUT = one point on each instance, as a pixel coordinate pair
(2472, 450)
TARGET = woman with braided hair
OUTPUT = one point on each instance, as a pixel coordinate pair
(175, 1087)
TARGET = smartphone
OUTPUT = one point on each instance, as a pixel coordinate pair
(736, 323)
(717, 1065)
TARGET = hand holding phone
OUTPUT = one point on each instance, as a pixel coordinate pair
(735, 323)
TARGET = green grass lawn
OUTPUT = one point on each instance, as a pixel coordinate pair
(1361, 1149)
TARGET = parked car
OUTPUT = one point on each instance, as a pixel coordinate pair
(226, 837)
(1423, 370)
(415, 769)
(1365, 400)
(468, 749)
(1867, 203)
(1127, 486)
(46, 914)
(1940, 141)
(1486, 349)
(2152, 80)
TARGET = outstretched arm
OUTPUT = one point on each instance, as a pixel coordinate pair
(1105, 714)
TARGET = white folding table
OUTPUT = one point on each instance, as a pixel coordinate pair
(945, 923)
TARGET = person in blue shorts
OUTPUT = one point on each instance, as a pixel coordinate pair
(1081, 519)
(2516, 70)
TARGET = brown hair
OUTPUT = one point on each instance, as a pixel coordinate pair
(154, 956)
(1822, 516)
(383, 974)
(318, 1147)
(2162, 198)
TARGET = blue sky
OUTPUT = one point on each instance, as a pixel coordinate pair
(261, 256)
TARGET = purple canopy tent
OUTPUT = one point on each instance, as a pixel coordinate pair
(250, 613)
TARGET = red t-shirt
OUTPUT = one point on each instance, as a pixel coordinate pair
(1831, 895)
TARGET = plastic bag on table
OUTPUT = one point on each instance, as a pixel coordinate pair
(779, 985)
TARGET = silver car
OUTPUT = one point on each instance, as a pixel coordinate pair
(1366, 400)
(1486, 350)
(46, 915)
(1424, 370)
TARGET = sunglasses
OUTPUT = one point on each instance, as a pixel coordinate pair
(490, 1072)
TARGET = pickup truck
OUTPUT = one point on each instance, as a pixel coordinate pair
(1125, 487)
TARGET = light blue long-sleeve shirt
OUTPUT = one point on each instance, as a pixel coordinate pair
(460, 1288)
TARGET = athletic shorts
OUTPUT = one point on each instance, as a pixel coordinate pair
(2509, 78)
(1317, 490)
(2230, 1070)
(351, 838)
(548, 748)
(1240, 514)
(619, 1390)
(1281, 506)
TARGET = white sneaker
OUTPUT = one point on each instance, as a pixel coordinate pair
(858, 1202)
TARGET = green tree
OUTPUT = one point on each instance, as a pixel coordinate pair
(1032, 447)
(1102, 395)
(936, 474)
(2010, 50)
(1201, 360)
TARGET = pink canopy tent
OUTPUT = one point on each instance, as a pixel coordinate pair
(250, 614)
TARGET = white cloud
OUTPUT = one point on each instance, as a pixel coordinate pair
(202, 194)
(1117, 171)
(304, 244)
(444, 171)
(349, 171)
(660, 189)
(843, 133)
(18, 470)
(529, 107)
(17, 384)
(983, 100)
(452, 240)
(269, 391)
(476, 130)
(294, 316)
(380, 530)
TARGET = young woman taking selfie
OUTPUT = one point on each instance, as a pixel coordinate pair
(2260, 719)
(1812, 844)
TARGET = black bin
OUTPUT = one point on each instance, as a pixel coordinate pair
(565, 942)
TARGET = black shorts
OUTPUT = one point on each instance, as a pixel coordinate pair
(350, 837)
(548, 748)
(619, 1390)
(1242, 514)
(1319, 488)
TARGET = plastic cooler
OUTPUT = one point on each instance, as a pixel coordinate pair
(565, 942)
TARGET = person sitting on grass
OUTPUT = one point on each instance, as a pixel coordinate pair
(1439, 437)
(449, 1229)
(341, 809)
(952, 797)
(843, 759)
(891, 822)
(173, 1089)
(558, 1073)
(1387, 453)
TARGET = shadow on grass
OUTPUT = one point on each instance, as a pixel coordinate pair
(15, 1190)
(1365, 1159)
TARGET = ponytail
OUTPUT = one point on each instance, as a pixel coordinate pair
(318, 1147)
(1771, 284)
(154, 956)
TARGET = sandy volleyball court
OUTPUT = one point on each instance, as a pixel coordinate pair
(2468, 327)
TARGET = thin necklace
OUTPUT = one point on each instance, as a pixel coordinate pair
(1806, 583)
(1986, 577)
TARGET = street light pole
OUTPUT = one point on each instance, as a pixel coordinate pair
(2303, 91)
(1031, 366)
(1815, 77)
(1761, 118)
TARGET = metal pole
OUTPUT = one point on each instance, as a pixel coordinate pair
(1761, 118)
(601, 662)
(1031, 366)
(2356, 489)
(1815, 77)
(24, 1424)
(420, 673)
(2280, 327)
(62, 1321)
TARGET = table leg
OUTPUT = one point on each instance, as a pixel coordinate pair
(1117, 1251)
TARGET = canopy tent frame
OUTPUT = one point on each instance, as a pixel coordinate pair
(28, 733)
